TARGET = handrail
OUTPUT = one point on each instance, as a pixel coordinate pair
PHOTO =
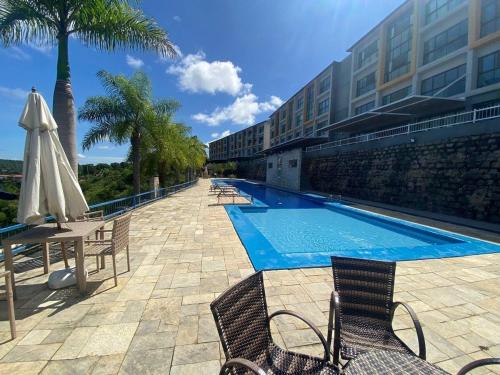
(111, 208)
(460, 118)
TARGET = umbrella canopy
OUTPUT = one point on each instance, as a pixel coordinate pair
(49, 185)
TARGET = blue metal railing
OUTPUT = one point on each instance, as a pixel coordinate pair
(111, 208)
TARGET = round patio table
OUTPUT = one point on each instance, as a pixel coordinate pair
(385, 362)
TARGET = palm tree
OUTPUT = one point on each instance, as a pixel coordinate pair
(103, 24)
(127, 113)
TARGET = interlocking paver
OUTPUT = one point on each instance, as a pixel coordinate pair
(184, 252)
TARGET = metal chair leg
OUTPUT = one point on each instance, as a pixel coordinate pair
(114, 270)
(128, 259)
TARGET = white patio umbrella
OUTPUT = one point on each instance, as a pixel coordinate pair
(49, 185)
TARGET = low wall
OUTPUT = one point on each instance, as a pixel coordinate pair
(458, 176)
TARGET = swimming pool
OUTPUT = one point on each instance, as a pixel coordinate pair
(288, 230)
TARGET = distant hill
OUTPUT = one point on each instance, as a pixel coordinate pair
(11, 166)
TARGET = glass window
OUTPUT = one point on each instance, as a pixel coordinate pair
(398, 52)
(396, 95)
(269, 165)
(488, 69)
(367, 55)
(299, 103)
(434, 84)
(310, 103)
(283, 114)
(324, 85)
(321, 124)
(323, 106)
(435, 9)
(364, 108)
(365, 84)
(446, 42)
(293, 163)
(299, 117)
(490, 17)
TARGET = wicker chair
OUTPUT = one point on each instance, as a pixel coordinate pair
(243, 323)
(362, 303)
(87, 216)
(118, 242)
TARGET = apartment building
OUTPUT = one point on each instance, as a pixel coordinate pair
(243, 144)
(427, 58)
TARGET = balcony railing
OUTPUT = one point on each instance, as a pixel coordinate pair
(470, 117)
(111, 208)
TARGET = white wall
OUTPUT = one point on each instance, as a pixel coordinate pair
(282, 173)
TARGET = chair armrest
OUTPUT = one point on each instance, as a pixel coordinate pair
(416, 323)
(241, 363)
(479, 363)
(309, 323)
(334, 312)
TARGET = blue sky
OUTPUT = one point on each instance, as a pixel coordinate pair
(240, 59)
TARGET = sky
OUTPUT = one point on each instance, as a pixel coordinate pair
(238, 61)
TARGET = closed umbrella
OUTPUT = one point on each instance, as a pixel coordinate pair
(49, 185)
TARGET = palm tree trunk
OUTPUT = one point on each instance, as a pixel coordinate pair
(64, 104)
(136, 161)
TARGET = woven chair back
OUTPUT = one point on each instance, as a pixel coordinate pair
(365, 288)
(120, 234)
(241, 317)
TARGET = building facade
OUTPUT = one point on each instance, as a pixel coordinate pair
(426, 59)
(244, 144)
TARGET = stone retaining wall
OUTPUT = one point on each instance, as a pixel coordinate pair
(459, 176)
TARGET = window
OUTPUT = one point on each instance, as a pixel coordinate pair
(324, 85)
(433, 85)
(367, 55)
(488, 69)
(283, 114)
(365, 84)
(446, 42)
(299, 103)
(490, 17)
(269, 165)
(323, 106)
(396, 95)
(398, 54)
(435, 9)
(299, 119)
(293, 163)
(364, 108)
(310, 102)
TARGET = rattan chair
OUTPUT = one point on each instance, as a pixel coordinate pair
(119, 241)
(87, 216)
(243, 323)
(363, 307)
(9, 297)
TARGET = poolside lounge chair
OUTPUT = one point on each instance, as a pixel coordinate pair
(363, 307)
(243, 323)
(119, 241)
(228, 192)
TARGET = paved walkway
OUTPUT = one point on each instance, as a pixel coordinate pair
(184, 252)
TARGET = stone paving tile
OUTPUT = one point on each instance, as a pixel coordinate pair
(184, 252)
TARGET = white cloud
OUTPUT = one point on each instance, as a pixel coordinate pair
(17, 53)
(104, 147)
(41, 47)
(198, 75)
(225, 133)
(177, 18)
(95, 159)
(16, 93)
(81, 156)
(135, 63)
(242, 111)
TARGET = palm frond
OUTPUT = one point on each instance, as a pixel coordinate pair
(25, 21)
(111, 24)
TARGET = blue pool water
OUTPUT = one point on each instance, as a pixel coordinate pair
(289, 230)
